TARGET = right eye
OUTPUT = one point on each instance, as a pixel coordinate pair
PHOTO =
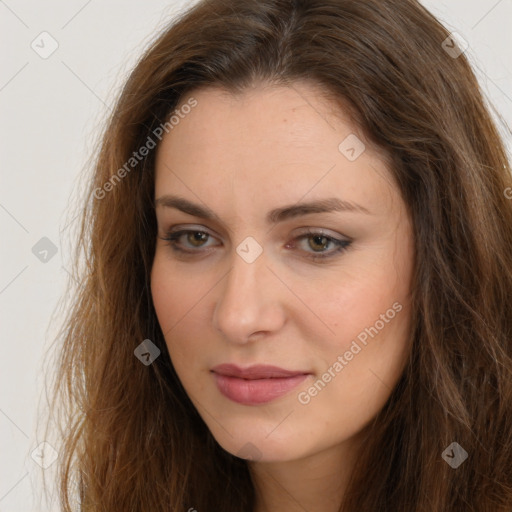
(195, 237)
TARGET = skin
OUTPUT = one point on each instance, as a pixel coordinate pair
(242, 156)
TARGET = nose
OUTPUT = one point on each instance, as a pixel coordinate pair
(250, 302)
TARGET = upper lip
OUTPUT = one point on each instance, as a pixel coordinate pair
(259, 371)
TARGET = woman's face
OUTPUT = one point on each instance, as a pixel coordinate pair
(242, 287)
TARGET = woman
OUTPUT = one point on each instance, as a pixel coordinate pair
(299, 271)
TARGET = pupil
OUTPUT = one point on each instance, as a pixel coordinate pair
(317, 238)
(198, 236)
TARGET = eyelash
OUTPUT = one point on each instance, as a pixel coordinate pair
(342, 245)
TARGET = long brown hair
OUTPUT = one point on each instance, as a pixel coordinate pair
(132, 440)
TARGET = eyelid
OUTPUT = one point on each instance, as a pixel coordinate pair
(302, 231)
(322, 231)
(188, 228)
(341, 242)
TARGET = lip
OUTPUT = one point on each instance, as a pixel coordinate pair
(256, 384)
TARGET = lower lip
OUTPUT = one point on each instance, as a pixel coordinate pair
(256, 391)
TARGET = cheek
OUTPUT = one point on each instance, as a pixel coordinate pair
(368, 313)
(174, 293)
(165, 298)
(179, 299)
(174, 297)
(358, 366)
(353, 299)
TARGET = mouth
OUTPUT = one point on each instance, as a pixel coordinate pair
(257, 384)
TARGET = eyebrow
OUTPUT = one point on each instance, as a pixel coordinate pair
(281, 214)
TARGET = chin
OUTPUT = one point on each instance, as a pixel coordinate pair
(252, 444)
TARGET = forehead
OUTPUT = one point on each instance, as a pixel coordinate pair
(274, 140)
(271, 116)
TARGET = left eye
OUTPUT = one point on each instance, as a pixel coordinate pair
(317, 242)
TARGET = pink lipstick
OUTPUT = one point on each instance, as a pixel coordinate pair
(257, 384)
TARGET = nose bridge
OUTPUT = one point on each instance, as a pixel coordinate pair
(242, 279)
(244, 305)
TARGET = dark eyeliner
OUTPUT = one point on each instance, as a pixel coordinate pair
(342, 245)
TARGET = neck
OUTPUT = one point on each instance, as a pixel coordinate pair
(316, 482)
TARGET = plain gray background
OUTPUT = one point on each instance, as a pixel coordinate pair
(52, 109)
